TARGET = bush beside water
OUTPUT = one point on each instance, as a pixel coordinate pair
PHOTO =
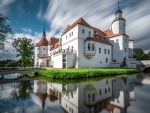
(84, 72)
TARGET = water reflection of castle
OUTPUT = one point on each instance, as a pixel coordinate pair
(106, 96)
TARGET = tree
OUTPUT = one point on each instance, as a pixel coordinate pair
(5, 30)
(25, 48)
(12, 64)
(140, 55)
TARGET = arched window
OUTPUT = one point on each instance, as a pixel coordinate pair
(93, 47)
(88, 46)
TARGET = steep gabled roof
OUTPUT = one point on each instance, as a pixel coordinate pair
(98, 31)
(110, 34)
(53, 40)
(79, 21)
(98, 40)
(42, 42)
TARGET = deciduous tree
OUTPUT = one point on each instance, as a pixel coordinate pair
(25, 48)
(5, 30)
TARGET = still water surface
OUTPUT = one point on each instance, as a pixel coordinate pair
(119, 95)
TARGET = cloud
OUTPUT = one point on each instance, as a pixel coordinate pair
(100, 14)
(4, 6)
(39, 15)
(11, 54)
(26, 30)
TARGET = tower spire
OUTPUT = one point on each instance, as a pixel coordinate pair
(118, 5)
(44, 34)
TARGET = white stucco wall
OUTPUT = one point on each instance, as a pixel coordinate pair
(57, 59)
(118, 27)
(71, 58)
(119, 48)
(99, 57)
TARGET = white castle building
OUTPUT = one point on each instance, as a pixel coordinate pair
(82, 45)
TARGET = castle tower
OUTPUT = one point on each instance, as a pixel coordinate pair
(119, 23)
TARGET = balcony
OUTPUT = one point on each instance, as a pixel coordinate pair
(64, 51)
(90, 53)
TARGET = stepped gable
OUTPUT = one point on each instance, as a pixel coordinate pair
(79, 21)
(53, 40)
(110, 34)
(42, 42)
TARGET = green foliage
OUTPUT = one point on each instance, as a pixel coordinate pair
(84, 73)
(140, 55)
(12, 64)
(25, 49)
(31, 74)
(5, 30)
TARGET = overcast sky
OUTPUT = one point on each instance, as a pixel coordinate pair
(28, 17)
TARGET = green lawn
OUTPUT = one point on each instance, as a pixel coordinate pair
(74, 73)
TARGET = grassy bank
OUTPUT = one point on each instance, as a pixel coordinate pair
(84, 72)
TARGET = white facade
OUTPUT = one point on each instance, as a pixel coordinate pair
(81, 46)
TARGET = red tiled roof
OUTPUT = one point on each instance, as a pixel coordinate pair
(98, 40)
(53, 40)
(42, 42)
(110, 34)
(79, 21)
(111, 107)
(42, 96)
(98, 31)
(53, 97)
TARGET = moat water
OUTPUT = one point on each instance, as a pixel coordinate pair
(114, 95)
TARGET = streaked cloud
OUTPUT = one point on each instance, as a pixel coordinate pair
(26, 30)
(4, 6)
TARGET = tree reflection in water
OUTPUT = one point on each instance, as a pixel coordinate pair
(22, 90)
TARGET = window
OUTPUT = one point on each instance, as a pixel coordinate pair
(72, 33)
(106, 59)
(99, 50)
(37, 55)
(108, 51)
(88, 46)
(92, 47)
(100, 92)
(125, 40)
(89, 33)
(66, 105)
(105, 51)
(43, 48)
(69, 34)
(105, 90)
(117, 40)
(38, 48)
(89, 97)
(43, 54)
(125, 49)
(109, 89)
(83, 31)
(93, 97)
(66, 37)
(106, 81)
